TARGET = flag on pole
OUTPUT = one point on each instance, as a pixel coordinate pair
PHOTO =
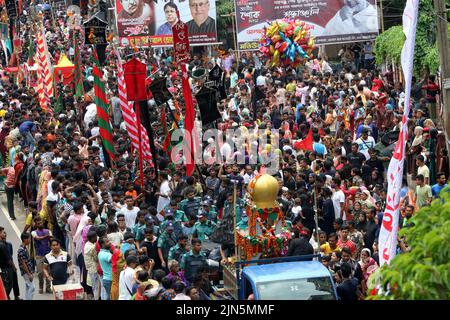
(78, 75)
(387, 240)
(129, 116)
(44, 100)
(102, 108)
(188, 121)
(45, 63)
(31, 50)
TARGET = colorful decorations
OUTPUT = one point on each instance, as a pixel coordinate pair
(267, 232)
(263, 190)
(287, 42)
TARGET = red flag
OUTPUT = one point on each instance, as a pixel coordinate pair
(188, 121)
(305, 144)
(181, 48)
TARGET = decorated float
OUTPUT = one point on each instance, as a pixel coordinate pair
(267, 234)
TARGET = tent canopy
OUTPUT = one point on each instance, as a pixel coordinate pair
(64, 62)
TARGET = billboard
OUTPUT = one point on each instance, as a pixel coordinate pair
(332, 21)
(146, 22)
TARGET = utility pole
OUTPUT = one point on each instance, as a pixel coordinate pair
(444, 54)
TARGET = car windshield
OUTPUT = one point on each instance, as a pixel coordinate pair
(298, 289)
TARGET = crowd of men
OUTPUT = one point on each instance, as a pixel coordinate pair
(89, 217)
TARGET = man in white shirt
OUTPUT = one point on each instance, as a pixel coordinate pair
(126, 278)
(355, 16)
(365, 143)
(164, 193)
(248, 174)
(338, 199)
(129, 211)
(179, 288)
(91, 262)
(261, 81)
(422, 168)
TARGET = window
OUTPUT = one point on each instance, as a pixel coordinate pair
(298, 289)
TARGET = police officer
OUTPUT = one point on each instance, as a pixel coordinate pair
(165, 241)
(169, 218)
(178, 214)
(209, 209)
(178, 250)
(191, 204)
(203, 228)
(149, 223)
(193, 260)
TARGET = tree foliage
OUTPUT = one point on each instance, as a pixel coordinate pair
(224, 7)
(423, 272)
(388, 44)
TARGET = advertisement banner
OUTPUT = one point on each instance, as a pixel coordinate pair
(332, 21)
(146, 22)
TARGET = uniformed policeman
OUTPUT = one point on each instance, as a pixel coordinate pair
(179, 214)
(209, 209)
(170, 219)
(192, 261)
(240, 206)
(149, 223)
(178, 250)
(165, 241)
(191, 204)
(203, 228)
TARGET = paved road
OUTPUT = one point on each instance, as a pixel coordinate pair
(13, 231)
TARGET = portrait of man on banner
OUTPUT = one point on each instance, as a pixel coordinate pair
(201, 21)
(199, 16)
(135, 17)
(355, 16)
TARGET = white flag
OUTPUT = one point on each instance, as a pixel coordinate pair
(387, 240)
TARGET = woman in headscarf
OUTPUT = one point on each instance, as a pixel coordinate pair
(348, 143)
(415, 149)
(388, 119)
(368, 266)
(3, 148)
(430, 143)
(19, 164)
(367, 199)
(307, 211)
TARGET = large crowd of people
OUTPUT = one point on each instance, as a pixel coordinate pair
(88, 217)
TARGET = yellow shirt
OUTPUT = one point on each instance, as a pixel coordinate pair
(290, 87)
(29, 218)
(326, 249)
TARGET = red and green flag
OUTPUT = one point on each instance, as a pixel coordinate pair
(31, 49)
(102, 108)
(78, 75)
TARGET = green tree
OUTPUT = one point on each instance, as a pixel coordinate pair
(224, 7)
(388, 45)
(424, 271)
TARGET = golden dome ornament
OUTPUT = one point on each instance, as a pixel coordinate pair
(264, 191)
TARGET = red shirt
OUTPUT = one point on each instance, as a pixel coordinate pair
(10, 175)
(349, 244)
(432, 90)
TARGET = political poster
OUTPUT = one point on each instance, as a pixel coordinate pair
(148, 22)
(332, 21)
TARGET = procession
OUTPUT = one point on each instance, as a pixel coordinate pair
(224, 150)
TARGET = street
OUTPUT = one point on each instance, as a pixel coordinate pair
(13, 231)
